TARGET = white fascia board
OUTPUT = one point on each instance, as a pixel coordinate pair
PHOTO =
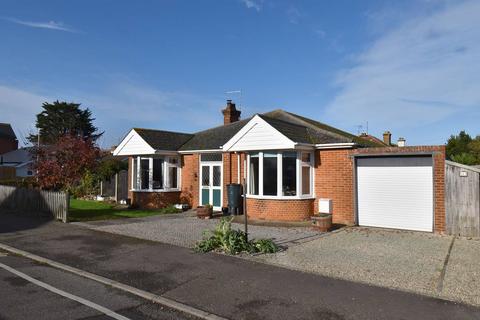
(166, 152)
(122, 149)
(201, 151)
(256, 120)
(347, 145)
(23, 164)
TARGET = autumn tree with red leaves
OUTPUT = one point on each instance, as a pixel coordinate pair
(61, 166)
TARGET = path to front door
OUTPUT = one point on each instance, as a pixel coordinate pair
(211, 184)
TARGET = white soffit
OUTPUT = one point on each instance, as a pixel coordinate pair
(133, 144)
(258, 134)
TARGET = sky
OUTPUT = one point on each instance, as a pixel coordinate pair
(411, 67)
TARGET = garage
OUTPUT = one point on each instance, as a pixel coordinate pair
(395, 192)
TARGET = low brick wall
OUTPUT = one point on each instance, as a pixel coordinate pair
(154, 200)
(280, 209)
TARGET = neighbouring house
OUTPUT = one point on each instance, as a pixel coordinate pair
(8, 139)
(20, 159)
(293, 167)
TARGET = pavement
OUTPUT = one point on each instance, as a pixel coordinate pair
(227, 286)
(24, 299)
(185, 229)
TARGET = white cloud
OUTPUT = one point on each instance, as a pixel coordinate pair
(19, 107)
(320, 33)
(294, 14)
(418, 73)
(117, 108)
(52, 25)
(253, 4)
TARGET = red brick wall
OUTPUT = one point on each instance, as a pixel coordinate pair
(154, 200)
(439, 155)
(334, 179)
(7, 145)
(190, 179)
(333, 172)
(280, 210)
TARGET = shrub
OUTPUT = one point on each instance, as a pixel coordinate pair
(231, 241)
(170, 209)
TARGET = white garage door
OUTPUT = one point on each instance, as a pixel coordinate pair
(395, 192)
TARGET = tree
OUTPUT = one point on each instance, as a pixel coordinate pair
(458, 144)
(61, 118)
(109, 166)
(462, 148)
(61, 166)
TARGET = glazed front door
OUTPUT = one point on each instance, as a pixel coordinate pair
(211, 185)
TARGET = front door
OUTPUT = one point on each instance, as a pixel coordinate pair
(211, 185)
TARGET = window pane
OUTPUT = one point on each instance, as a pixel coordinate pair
(157, 174)
(134, 174)
(217, 175)
(172, 160)
(305, 180)
(270, 174)
(145, 173)
(289, 173)
(211, 157)
(306, 157)
(253, 183)
(205, 176)
(172, 177)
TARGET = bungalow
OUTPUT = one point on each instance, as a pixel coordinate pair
(293, 167)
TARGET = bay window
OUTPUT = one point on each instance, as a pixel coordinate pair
(289, 174)
(159, 173)
(306, 172)
(254, 169)
(270, 174)
(280, 174)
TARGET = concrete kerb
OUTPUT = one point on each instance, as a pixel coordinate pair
(115, 284)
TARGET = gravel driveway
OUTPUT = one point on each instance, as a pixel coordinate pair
(409, 261)
(185, 230)
(403, 260)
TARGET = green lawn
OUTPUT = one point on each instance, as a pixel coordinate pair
(87, 210)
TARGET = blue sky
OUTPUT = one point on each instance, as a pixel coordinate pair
(411, 67)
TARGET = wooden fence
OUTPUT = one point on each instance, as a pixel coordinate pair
(35, 202)
(462, 199)
(7, 173)
(116, 187)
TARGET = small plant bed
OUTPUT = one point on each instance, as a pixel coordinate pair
(230, 241)
(89, 210)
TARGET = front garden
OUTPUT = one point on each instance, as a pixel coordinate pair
(89, 210)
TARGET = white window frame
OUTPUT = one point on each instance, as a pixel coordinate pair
(299, 165)
(166, 182)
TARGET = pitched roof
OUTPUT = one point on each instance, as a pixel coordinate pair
(323, 130)
(299, 133)
(17, 156)
(163, 140)
(213, 138)
(297, 128)
(6, 131)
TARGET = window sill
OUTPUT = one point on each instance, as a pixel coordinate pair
(305, 197)
(156, 191)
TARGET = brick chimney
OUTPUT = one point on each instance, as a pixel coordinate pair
(230, 113)
(387, 138)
